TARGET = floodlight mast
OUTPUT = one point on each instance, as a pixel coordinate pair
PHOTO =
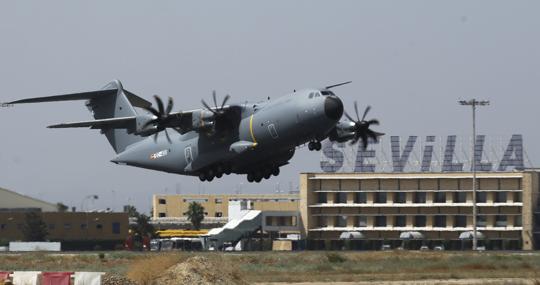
(473, 103)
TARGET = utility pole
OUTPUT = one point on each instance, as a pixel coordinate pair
(473, 103)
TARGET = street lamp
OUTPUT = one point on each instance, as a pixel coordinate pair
(93, 196)
(473, 103)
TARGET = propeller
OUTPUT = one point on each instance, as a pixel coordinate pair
(361, 127)
(162, 120)
(217, 110)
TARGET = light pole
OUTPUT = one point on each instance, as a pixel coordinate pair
(473, 103)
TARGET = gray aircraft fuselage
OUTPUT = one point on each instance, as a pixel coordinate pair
(275, 127)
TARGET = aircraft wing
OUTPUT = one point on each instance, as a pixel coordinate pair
(112, 123)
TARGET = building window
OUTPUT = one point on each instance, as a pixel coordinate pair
(518, 197)
(500, 197)
(440, 221)
(322, 199)
(162, 201)
(380, 221)
(361, 221)
(84, 226)
(460, 221)
(400, 197)
(2, 226)
(481, 197)
(322, 221)
(206, 213)
(218, 201)
(517, 221)
(67, 226)
(219, 214)
(419, 221)
(500, 221)
(439, 197)
(460, 197)
(99, 226)
(341, 221)
(380, 198)
(116, 228)
(360, 197)
(162, 215)
(341, 198)
(481, 221)
(420, 197)
(400, 221)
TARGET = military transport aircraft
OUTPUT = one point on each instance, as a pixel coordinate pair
(248, 138)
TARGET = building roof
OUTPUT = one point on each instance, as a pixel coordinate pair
(414, 175)
(10, 200)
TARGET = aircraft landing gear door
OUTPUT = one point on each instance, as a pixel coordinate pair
(188, 155)
(272, 131)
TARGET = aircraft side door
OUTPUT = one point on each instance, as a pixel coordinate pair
(188, 154)
(273, 131)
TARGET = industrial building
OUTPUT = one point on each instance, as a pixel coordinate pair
(12, 201)
(76, 230)
(385, 210)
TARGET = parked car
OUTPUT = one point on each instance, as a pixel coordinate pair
(424, 247)
(386, 247)
(438, 247)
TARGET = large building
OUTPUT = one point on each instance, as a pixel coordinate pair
(217, 206)
(76, 230)
(433, 208)
(13, 201)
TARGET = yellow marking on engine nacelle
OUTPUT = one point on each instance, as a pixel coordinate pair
(251, 131)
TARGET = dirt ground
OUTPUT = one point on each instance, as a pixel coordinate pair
(307, 267)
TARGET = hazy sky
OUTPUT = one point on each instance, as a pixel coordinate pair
(410, 60)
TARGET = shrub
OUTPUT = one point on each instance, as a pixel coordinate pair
(335, 257)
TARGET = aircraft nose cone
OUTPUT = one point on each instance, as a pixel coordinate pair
(333, 107)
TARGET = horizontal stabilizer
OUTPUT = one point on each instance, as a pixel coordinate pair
(67, 97)
(113, 123)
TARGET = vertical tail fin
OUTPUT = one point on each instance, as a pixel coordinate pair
(117, 105)
(112, 101)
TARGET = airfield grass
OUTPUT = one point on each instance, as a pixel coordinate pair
(298, 266)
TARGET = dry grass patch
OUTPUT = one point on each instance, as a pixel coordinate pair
(146, 270)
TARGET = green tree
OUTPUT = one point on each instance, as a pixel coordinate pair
(143, 227)
(61, 207)
(131, 210)
(34, 228)
(195, 214)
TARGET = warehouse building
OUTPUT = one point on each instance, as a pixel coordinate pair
(13, 201)
(390, 210)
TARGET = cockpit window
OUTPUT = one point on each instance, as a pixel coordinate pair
(311, 95)
(327, 92)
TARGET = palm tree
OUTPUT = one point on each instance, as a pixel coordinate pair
(195, 214)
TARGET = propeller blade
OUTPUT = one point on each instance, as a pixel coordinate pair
(373, 122)
(167, 136)
(214, 98)
(207, 107)
(170, 105)
(364, 141)
(349, 117)
(152, 110)
(356, 111)
(160, 104)
(365, 112)
(227, 97)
